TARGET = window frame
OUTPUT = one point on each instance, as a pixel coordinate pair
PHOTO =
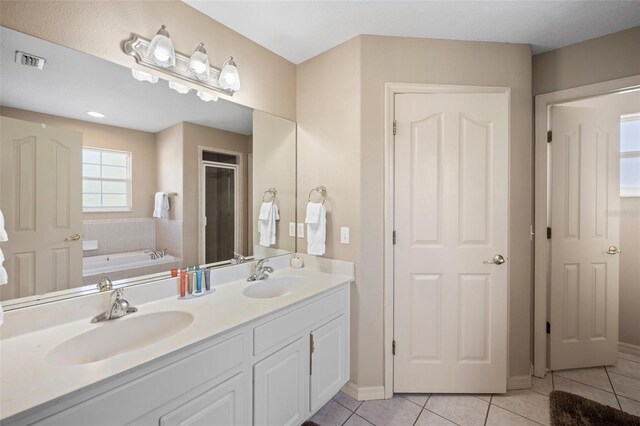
(632, 192)
(128, 180)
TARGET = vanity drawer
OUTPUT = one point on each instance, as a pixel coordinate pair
(280, 329)
(154, 390)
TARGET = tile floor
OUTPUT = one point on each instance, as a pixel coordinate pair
(617, 385)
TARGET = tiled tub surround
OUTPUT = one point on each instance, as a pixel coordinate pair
(120, 235)
(168, 234)
(125, 265)
(34, 388)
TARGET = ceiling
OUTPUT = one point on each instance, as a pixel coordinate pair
(298, 30)
(73, 83)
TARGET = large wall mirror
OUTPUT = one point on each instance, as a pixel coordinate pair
(102, 173)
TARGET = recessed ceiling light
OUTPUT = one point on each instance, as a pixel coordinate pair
(95, 114)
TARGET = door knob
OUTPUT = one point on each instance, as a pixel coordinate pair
(613, 250)
(73, 237)
(498, 259)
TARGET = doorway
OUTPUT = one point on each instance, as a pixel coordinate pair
(582, 249)
(220, 199)
(447, 265)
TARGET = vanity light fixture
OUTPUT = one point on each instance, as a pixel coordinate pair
(199, 63)
(206, 96)
(161, 49)
(229, 78)
(180, 88)
(95, 114)
(144, 76)
(158, 54)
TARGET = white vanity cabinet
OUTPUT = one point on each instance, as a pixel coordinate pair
(275, 370)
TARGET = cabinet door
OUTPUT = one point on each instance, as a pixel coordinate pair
(328, 361)
(222, 405)
(281, 386)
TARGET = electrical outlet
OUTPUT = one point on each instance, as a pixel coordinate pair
(301, 230)
(344, 235)
(292, 229)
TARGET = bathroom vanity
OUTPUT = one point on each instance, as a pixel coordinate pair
(266, 353)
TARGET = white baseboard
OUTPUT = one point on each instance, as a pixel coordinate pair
(519, 382)
(363, 393)
(628, 348)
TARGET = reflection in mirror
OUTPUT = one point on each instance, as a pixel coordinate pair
(101, 173)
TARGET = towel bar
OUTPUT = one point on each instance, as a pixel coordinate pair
(320, 189)
(271, 191)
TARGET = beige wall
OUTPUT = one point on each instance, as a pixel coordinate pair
(605, 58)
(630, 271)
(275, 150)
(141, 145)
(193, 136)
(341, 140)
(100, 27)
(169, 147)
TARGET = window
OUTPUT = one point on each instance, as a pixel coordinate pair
(630, 156)
(106, 180)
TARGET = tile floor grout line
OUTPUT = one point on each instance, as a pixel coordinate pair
(517, 414)
(419, 414)
(614, 389)
(621, 374)
(428, 398)
(486, 416)
(442, 417)
(353, 411)
(413, 402)
(591, 386)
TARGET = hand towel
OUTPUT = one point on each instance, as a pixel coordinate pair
(267, 223)
(316, 221)
(3, 280)
(3, 232)
(161, 205)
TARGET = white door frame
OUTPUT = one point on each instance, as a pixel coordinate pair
(391, 89)
(239, 201)
(543, 103)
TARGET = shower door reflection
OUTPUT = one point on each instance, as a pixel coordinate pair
(220, 205)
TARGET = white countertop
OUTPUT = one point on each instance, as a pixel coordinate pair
(27, 381)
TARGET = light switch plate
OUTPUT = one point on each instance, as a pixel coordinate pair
(301, 230)
(344, 235)
(292, 229)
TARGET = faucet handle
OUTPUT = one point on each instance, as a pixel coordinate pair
(261, 262)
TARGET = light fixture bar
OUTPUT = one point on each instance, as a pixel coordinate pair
(137, 47)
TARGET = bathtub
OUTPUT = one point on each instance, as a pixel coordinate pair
(125, 265)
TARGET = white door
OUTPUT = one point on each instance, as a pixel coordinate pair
(281, 386)
(585, 199)
(451, 219)
(328, 362)
(41, 199)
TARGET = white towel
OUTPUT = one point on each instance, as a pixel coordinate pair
(316, 221)
(3, 232)
(3, 280)
(267, 223)
(161, 205)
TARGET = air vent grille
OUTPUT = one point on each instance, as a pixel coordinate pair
(29, 60)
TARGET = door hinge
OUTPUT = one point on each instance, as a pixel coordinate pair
(548, 327)
(548, 233)
(549, 136)
(394, 237)
(393, 347)
(311, 349)
(394, 127)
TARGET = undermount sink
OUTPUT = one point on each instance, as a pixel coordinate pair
(275, 287)
(118, 336)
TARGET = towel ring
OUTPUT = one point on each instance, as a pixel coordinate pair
(320, 189)
(271, 191)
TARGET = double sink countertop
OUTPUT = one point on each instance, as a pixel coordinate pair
(32, 377)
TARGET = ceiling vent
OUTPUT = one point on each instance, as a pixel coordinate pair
(29, 60)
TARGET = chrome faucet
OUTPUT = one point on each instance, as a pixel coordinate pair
(105, 283)
(262, 272)
(155, 254)
(237, 259)
(118, 307)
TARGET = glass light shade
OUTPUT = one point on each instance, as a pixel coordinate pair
(229, 79)
(199, 63)
(161, 49)
(180, 88)
(144, 76)
(207, 97)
